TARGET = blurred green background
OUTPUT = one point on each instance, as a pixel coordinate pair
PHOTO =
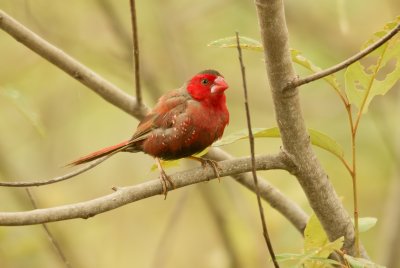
(49, 119)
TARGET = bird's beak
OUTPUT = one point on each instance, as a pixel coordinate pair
(219, 85)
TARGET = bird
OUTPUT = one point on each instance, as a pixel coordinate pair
(185, 121)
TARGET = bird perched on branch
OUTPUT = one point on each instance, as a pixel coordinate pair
(185, 121)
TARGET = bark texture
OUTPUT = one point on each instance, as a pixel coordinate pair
(296, 141)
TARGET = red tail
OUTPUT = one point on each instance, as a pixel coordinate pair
(99, 153)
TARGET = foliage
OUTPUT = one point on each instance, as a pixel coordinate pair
(317, 247)
(318, 138)
(366, 80)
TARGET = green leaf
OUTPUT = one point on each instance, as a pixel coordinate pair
(244, 134)
(314, 234)
(366, 223)
(296, 257)
(298, 58)
(317, 138)
(254, 45)
(317, 247)
(166, 164)
(361, 263)
(21, 105)
(316, 244)
(174, 163)
(364, 82)
(316, 240)
(325, 142)
(230, 42)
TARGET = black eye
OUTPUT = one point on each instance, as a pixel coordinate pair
(204, 81)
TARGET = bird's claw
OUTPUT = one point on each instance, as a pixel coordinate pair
(166, 182)
(214, 166)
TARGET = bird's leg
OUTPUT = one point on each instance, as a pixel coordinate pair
(204, 162)
(165, 179)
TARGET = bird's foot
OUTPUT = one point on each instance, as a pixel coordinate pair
(214, 165)
(166, 183)
(165, 179)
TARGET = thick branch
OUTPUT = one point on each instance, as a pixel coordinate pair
(126, 195)
(296, 141)
(78, 71)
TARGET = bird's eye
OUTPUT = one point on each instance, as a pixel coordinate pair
(204, 81)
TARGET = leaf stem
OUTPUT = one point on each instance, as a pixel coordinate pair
(355, 195)
(354, 128)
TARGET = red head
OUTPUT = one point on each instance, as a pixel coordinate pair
(208, 85)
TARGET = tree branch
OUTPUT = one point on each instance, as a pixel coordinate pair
(127, 103)
(345, 63)
(77, 70)
(296, 141)
(126, 195)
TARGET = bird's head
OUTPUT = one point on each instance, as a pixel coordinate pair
(207, 85)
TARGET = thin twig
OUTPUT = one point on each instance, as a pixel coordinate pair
(345, 63)
(59, 178)
(50, 236)
(71, 66)
(251, 140)
(147, 76)
(136, 52)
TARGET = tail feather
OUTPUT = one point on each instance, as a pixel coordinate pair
(100, 153)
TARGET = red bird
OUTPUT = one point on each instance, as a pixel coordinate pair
(185, 121)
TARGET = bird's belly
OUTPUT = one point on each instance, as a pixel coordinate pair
(173, 143)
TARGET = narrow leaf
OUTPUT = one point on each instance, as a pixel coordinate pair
(317, 245)
(174, 163)
(230, 42)
(298, 58)
(311, 260)
(366, 223)
(166, 164)
(317, 138)
(363, 81)
(314, 234)
(254, 45)
(361, 263)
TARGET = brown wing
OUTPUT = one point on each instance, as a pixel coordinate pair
(168, 107)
